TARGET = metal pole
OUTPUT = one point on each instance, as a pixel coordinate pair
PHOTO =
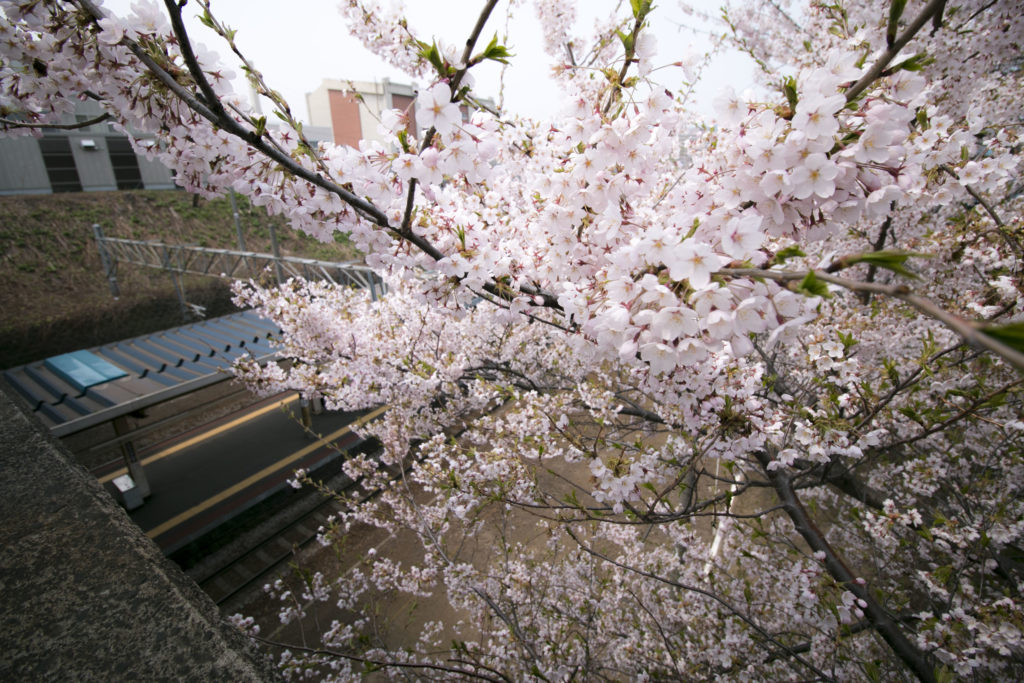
(277, 253)
(238, 229)
(131, 460)
(307, 415)
(109, 264)
(238, 223)
(175, 278)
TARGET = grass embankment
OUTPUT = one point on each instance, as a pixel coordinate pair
(54, 297)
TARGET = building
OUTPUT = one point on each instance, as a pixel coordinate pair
(93, 158)
(351, 109)
(98, 157)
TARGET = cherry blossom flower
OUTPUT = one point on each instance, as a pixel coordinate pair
(434, 109)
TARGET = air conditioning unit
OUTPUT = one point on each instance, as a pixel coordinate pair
(88, 143)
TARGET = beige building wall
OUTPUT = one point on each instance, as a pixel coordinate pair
(333, 105)
(329, 106)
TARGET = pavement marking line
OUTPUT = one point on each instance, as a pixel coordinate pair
(204, 436)
(266, 471)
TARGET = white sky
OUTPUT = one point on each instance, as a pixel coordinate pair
(299, 46)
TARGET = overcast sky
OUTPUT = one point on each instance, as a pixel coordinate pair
(298, 44)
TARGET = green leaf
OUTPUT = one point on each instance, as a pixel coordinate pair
(1012, 335)
(627, 41)
(261, 125)
(895, 12)
(847, 339)
(914, 63)
(812, 286)
(641, 8)
(943, 573)
(789, 252)
(789, 90)
(432, 55)
(889, 259)
(496, 52)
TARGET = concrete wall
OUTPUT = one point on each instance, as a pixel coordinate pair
(22, 170)
(155, 176)
(84, 595)
(92, 161)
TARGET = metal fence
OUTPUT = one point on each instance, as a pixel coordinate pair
(181, 259)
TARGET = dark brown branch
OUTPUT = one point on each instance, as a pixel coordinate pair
(428, 137)
(882, 62)
(839, 475)
(384, 664)
(970, 331)
(708, 594)
(12, 123)
(191, 62)
(916, 660)
(228, 123)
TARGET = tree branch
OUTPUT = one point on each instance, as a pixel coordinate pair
(970, 331)
(382, 663)
(708, 594)
(882, 62)
(12, 123)
(917, 661)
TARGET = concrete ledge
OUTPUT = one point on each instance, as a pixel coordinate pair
(84, 595)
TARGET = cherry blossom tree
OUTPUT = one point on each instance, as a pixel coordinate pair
(667, 398)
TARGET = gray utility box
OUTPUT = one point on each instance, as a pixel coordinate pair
(128, 493)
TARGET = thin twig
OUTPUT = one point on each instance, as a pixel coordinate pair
(882, 62)
(380, 663)
(694, 589)
(12, 123)
(971, 332)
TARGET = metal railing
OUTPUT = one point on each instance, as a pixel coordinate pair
(181, 259)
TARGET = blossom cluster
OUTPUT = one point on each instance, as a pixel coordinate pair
(655, 386)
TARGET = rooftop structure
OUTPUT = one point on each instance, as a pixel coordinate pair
(75, 391)
(96, 157)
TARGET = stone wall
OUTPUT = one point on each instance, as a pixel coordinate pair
(84, 595)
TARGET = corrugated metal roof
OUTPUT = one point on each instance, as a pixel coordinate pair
(157, 367)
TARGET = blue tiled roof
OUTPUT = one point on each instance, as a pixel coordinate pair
(74, 391)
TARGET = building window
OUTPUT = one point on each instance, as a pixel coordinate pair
(60, 164)
(125, 163)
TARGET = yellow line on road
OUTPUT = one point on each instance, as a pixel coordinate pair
(205, 435)
(249, 481)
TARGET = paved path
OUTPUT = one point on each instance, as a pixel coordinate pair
(216, 471)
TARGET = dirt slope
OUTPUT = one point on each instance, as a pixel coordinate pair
(53, 294)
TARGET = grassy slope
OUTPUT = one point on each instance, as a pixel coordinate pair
(53, 295)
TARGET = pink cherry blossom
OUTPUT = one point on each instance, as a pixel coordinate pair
(669, 396)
